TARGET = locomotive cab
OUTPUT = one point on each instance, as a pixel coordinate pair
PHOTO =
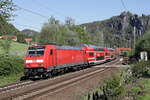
(36, 61)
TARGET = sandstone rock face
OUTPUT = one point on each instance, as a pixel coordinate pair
(124, 28)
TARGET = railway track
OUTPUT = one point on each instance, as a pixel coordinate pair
(29, 89)
(14, 85)
(59, 86)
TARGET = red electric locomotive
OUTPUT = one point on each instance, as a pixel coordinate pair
(44, 60)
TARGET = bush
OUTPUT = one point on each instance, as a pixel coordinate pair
(131, 53)
(143, 44)
(134, 90)
(113, 89)
(10, 64)
(141, 69)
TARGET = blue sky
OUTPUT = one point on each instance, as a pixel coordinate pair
(82, 11)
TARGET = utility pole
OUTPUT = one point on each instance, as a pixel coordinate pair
(102, 38)
(134, 33)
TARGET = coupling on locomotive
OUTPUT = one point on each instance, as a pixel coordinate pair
(47, 60)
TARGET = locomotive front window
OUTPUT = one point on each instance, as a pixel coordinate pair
(40, 52)
(36, 51)
(31, 52)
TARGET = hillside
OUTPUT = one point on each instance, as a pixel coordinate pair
(29, 32)
(119, 30)
(16, 48)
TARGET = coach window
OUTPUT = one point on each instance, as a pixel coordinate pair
(91, 54)
(106, 53)
(51, 52)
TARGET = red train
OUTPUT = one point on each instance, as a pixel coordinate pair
(46, 60)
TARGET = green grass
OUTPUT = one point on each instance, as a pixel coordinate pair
(16, 49)
(16, 46)
(19, 47)
(10, 79)
(146, 95)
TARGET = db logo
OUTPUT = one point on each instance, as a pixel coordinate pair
(72, 57)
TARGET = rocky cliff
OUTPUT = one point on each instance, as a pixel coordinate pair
(120, 31)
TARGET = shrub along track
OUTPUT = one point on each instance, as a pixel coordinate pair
(51, 85)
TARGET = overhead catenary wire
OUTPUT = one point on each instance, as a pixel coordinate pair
(123, 4)
(3, 26)
(39, 14)
(48, 8)
(33, 12)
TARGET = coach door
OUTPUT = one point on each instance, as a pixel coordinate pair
(51, 58)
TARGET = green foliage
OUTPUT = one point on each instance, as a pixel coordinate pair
(113, 89)
(6, 8)
(20, 38)
(146, 94)
(144, 97)
(131, 53)
(11, 78)
(18, 47)
(10, 64)
(141, 69)
(143, 45)
(6, 44)
(62, 34)
(98, 38)
(134, 90)
(15, 47)
(109, 40)
(49, 34)
(71, 38)
(82, 34)
(6, 28)
(6, 12)
(52, 33)
(126, 86)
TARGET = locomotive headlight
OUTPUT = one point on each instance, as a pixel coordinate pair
(40, 61)
(29, 61)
